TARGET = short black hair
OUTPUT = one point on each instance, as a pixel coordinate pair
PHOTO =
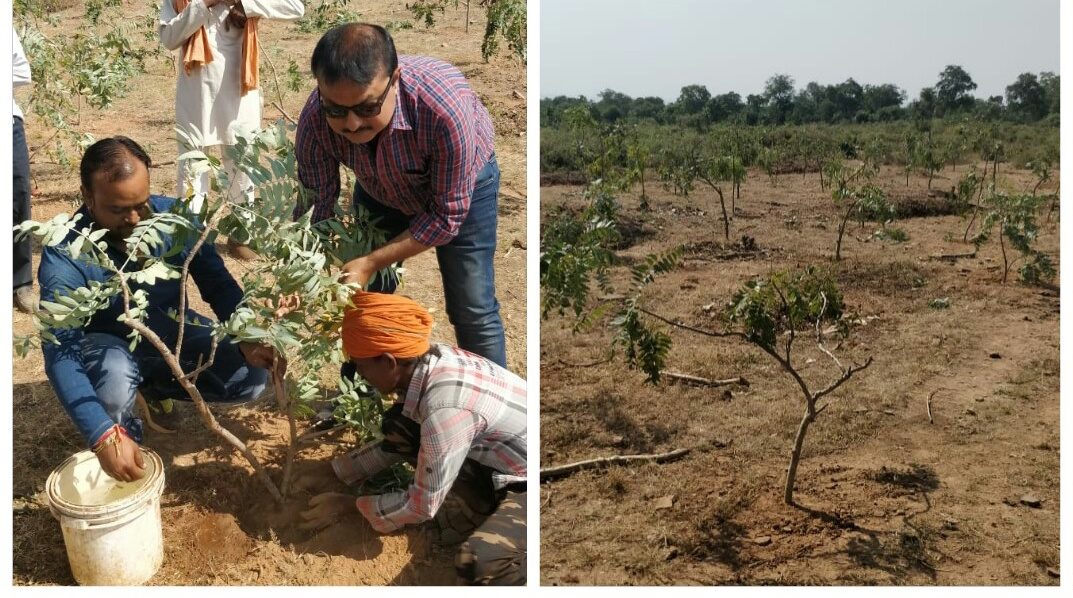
(108, 156)
(357, 52)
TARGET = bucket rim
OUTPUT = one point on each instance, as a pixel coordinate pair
(153, 487)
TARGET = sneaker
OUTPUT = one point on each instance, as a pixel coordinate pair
(164, 413)
(325, 418)
(24, 299)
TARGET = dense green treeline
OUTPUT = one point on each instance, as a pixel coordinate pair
(1031, 98)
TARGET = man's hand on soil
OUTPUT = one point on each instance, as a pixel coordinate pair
(327, 508)
(126, 463)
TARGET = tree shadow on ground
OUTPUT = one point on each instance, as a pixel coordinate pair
(720, 540)
(904, 552)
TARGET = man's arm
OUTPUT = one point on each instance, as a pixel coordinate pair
(446, 438)
(20, 68)
(402, 247)
(175, 28)
(453, 174)
(318, 169)
(284, 10)
(214, 282)
(363, 463)
(63, 362)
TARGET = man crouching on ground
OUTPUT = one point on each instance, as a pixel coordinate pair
(459, 419)
(95, 374)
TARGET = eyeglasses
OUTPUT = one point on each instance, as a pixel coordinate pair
(365, 110)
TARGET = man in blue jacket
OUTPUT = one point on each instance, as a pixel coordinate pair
(94, 373)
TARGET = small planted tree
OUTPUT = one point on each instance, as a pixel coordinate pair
(292, 301)
(677, 169)
(769, 313)
(93, 67)
(638, 156)
(1015, 219)
(717, 171)
(864, 200)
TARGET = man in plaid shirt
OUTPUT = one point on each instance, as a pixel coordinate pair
(421, 145)
(459, 419)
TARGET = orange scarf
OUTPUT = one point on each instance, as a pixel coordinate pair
(196, 50)
(380, 323)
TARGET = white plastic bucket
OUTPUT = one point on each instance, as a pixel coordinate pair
(111, 529)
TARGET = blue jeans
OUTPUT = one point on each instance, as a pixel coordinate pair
(22, 269)
(465, 266)
(116, 373)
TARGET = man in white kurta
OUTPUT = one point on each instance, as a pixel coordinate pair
(209, 98)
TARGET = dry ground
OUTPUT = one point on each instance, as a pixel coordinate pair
(889, 497)
(218, 526)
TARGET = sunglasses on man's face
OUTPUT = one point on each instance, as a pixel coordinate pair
(366, 110)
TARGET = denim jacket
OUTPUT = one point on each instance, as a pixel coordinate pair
(58, 274)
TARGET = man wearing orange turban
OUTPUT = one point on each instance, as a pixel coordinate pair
(459, 419)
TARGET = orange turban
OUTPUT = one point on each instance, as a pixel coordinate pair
(380, 323)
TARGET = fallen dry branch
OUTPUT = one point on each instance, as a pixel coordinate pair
(932, 395)
(551, 473)
(952, 257)
(703, 381)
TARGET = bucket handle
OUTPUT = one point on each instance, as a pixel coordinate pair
(82, 524)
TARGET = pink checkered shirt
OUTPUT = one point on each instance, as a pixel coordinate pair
(426, 161)
(468, 407)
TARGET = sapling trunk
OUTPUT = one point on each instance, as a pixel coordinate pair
(726, 222)
(795, 454)
(842, 231)
(1005, 260)
(283, 401)
(202, 408)
(965, 237)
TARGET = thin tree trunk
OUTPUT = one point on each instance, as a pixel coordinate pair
(795, 455)
(202, 408)
(1005, 260)
(842, 231)
(283, 401)
(965, 238)
(726, 223)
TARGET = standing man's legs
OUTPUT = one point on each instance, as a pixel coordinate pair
(22, 272)
(468, 272)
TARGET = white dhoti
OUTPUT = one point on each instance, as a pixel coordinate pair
(209, 99)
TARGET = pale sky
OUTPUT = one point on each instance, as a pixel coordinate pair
(654, 48)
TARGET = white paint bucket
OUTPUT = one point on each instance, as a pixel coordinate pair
(111, 529)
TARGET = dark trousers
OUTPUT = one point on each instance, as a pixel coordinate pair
(466, 265)
(22, 271)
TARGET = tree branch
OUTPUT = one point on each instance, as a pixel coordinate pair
(560, 471)
(853, 369)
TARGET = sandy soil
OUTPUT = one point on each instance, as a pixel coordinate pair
(218, 526)
(889, 497)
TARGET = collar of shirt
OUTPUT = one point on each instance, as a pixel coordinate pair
(399, 120)
(417, 383)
